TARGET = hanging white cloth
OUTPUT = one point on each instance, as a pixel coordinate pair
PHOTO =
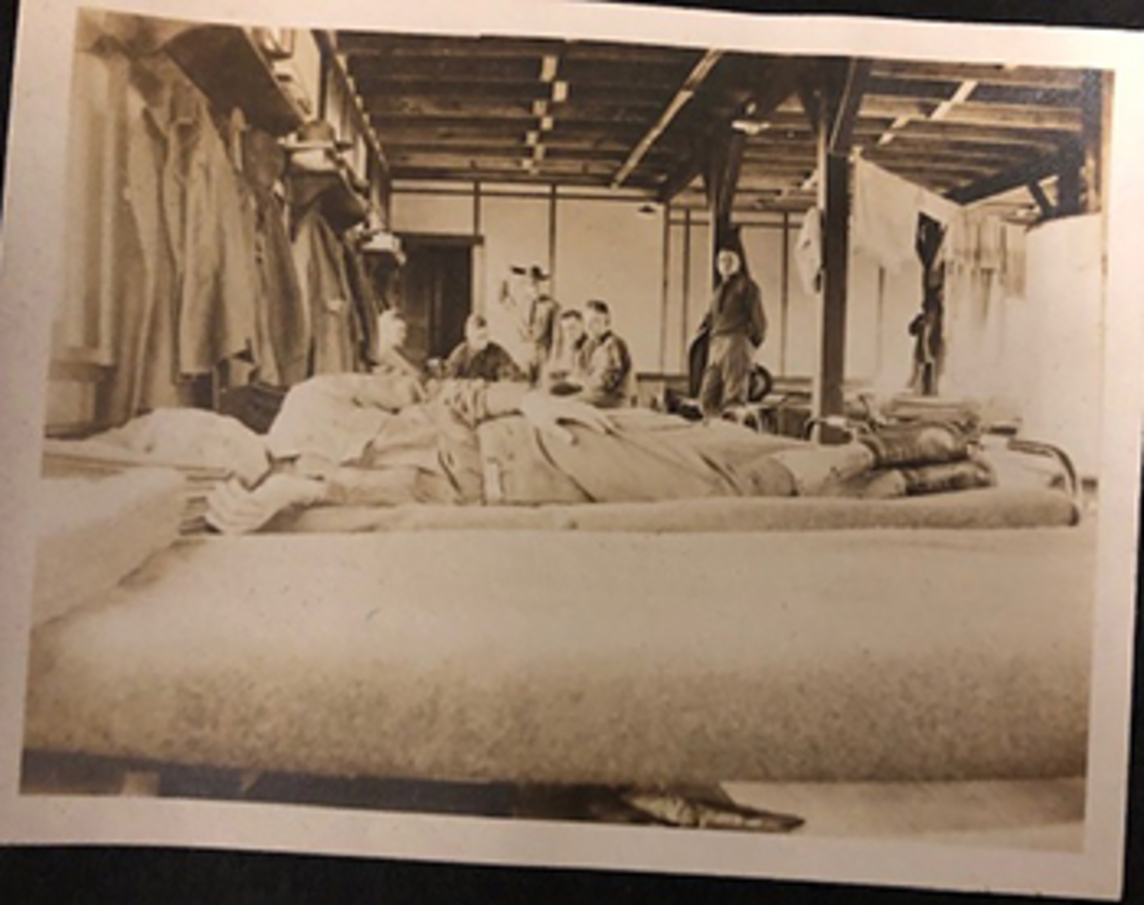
(885, 216)
(808, 251)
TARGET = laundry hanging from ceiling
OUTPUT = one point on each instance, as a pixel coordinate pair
(886, 211)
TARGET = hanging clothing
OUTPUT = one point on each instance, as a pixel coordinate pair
(808, 252)
(886, 210)
(366, 308)
(283, 317)
(318, 257)
(288, 318)
(216, 282)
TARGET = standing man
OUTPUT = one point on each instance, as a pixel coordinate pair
(738, 326)
(536, 314)
(608, 364)
(478, 357)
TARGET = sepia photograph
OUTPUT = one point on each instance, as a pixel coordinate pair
(575, 431)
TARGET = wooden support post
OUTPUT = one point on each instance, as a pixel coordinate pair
(665, 288)
(721, 179)
(834, 188)
(552, 240)
(784, 298)
(1070, 183)
(1093, 99)
(834, 200)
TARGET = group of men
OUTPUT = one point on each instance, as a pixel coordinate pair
(576, 353)
(569, 352)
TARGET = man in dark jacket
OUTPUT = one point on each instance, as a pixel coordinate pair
(479, 358)
(737, 327)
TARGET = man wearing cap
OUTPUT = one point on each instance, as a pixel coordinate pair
(737, 327)
(538, 313)
(478, 357)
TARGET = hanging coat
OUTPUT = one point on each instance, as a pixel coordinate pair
(325, 286)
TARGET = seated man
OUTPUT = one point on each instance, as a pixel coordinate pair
(479, 358)
(608, 364)
(565, 369)
(353, 439)
(391, 358)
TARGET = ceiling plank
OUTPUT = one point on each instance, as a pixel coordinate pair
(1029, 76)
(683, 96)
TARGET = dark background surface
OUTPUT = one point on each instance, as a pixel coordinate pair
(148, 875)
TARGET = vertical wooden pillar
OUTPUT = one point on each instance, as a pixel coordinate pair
(1094, 109)
(686, 314)
(834, 200)
(552, 240)
(784, 298)
(665, 288)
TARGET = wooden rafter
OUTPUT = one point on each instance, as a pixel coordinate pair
(683, 96)
(996, 183)
(852, 93)
(771, 84)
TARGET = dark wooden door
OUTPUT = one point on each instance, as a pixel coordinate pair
(437, 295)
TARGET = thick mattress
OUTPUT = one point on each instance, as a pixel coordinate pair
(584, 657)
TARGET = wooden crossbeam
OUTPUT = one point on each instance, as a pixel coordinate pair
(1047, 208)
(997, 183)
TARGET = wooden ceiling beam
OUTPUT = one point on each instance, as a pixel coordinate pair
(470, 47)
(353, 44)
(682, 97)
(444, 109)
(517, 174)
(505, 148)
(852, 96)
(1027, 76)
(1015, 177)
(473, 89)
(603, 121)
(977, 134)
(773, 82)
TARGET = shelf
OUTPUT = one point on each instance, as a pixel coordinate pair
(227, 66)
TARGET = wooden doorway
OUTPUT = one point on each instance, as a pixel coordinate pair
(436, 292)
